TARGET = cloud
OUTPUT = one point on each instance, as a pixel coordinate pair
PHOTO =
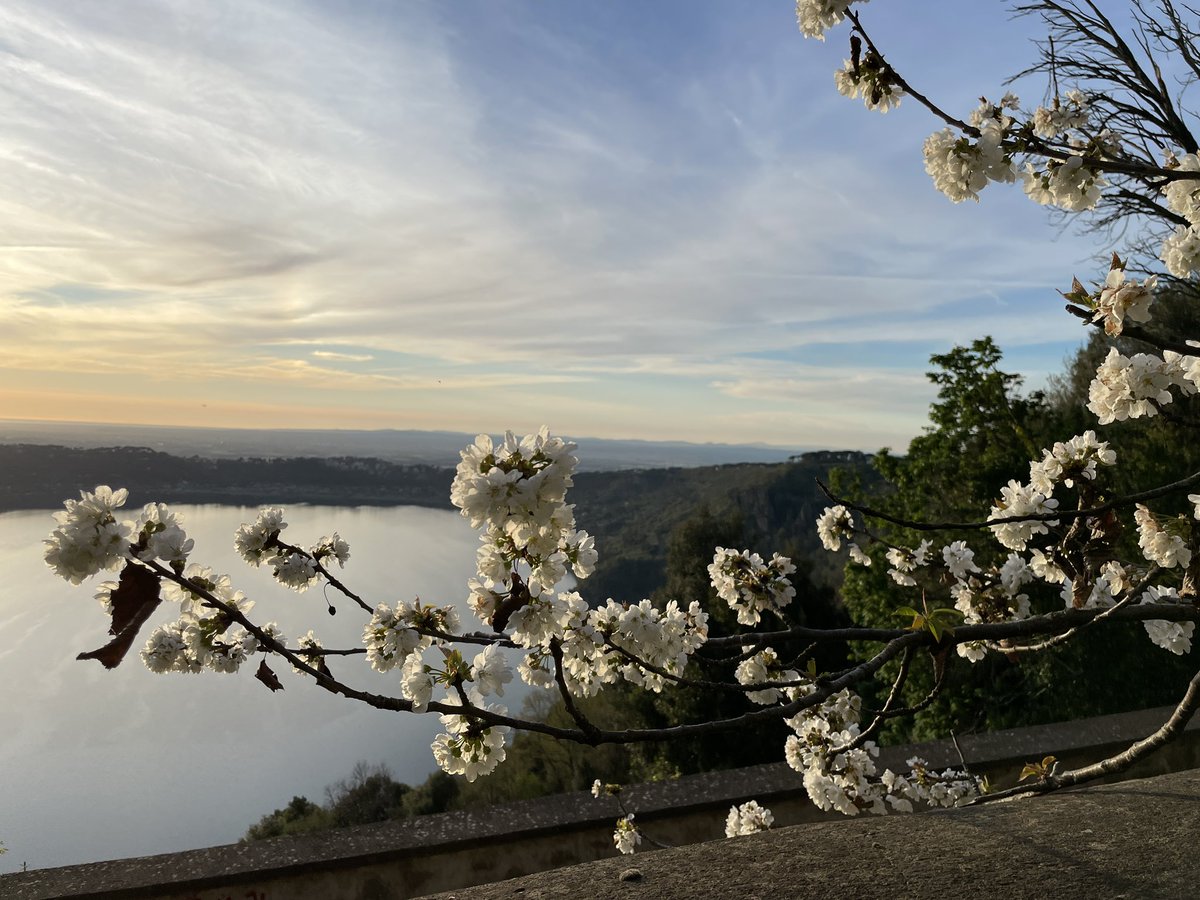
(486, 196)
(334, 356)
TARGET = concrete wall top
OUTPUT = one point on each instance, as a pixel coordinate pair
(363, 845)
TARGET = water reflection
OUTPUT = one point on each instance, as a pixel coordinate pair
(99, 764)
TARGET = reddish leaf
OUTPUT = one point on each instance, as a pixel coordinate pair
(268, 677)
(133, 601)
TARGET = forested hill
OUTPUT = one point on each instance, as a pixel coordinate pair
(633, 513)
(41, 477)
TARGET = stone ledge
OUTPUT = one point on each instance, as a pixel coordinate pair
(471, 847)
(1135, 840)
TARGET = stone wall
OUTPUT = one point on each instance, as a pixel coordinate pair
(1133, 840)
(437, 853)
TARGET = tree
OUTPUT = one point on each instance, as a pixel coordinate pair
(1062, 570)
(298, 817)
(980, 434)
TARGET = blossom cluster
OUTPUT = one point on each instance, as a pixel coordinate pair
(761, 668)
(258, 542)
(515, 492)
(1066, 113)
(751, 586)
(963, 162)
(1161, 545)
(1181, 250)
(468, 748)
(960, 168)
(1018, 499)
(626, 837)
(815, 17)
(1066, 463)
(870, 79)
(904, 561)
(835, 525)
(1132, 387)
(391, 634)
(89, 539)
(1119, 300)
(839, 768)
(1069, 183)
(204, 636)
(749, 818)
(635, 642)
(1175, 637)
(1071, 460)
(992, 596)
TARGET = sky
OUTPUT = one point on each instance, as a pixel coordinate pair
(628, 220)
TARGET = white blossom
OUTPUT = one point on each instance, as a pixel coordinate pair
(834, 525)
(905, 561)
(1066, 113)
(294, 570)
(389, 637)
(158, 535)
(252, 539)
(626, 837)
(1183, 194)
(469, 748)
(490, 671)
(1017, 499)
(309, 641)
(1120, 300)
(960, 168)
(1045, 568)
(1175, 637)
(750, 586)
(762, 667)
(1129, 387)
(1070, 460)
(1181, 251)
(88, 538)
(1158, 544)
(165, 650)
(815, 17)
(1067, 184)
(878, 92)
(333, 548)
(749, 818)
(959, 559)
(416, 684)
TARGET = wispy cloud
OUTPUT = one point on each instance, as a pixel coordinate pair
(278, 198)
(334, 356)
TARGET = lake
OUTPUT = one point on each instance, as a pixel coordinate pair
(98, 764)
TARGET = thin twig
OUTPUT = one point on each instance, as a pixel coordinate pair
(1153, 493)
(1169, 731)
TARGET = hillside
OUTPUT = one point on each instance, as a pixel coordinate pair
(631, 513)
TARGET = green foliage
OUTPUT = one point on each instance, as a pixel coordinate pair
(298, 817)
(537, 764)
(1150, 452)
(937, 621)
(984, 433)
(634, 516)
(370, 794)
(690, 551)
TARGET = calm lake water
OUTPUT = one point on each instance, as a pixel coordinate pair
(98, 764)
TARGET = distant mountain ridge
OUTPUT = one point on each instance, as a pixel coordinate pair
(403, 447)
(632, 513)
